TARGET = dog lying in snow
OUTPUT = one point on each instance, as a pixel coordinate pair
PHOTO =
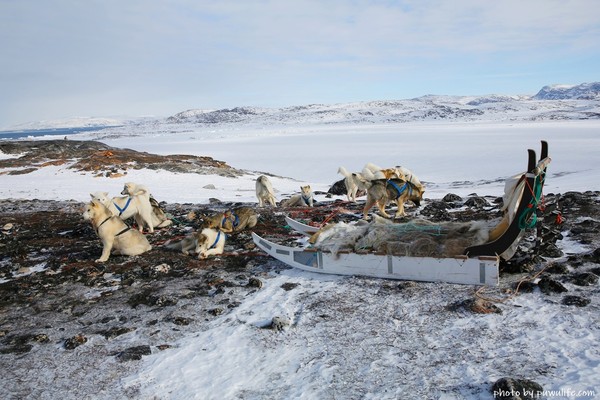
(115, 235)
(205, 243)
(231, 220)
(264, 191)
(304, 199)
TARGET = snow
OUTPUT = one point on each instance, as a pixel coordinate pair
(367, 341)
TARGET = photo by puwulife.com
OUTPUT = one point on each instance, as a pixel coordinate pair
(566, 393)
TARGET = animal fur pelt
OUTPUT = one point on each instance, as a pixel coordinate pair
(418, 238)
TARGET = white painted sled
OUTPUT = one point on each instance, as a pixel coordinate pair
(462, 269)
(478, 266)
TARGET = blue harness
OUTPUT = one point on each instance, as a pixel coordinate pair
(400, 190)
(306, 200)
(216, 240)
(235, 222)
(122, 210)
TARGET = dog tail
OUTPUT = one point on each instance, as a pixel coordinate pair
(173, 245)
(344, 171)
(363, 180)
(372, 171)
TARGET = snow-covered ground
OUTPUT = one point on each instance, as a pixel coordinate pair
(456, 157)
(373, 342)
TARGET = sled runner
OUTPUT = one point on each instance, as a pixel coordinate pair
(477, 266)
(307, 230)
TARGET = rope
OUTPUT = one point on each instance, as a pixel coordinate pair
(528, 219)
(516, 291)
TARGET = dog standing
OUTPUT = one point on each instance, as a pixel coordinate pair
(383, 191)
(125, 207)
(264, 191)
(114, 233)
(354, 182)
(304, 199)
(136, 204)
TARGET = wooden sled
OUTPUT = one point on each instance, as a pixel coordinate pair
(478, 266)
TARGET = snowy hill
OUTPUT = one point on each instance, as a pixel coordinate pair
(585, 91)
(549, 104)
(557, 102)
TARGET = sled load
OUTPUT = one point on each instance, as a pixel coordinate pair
(452, 252)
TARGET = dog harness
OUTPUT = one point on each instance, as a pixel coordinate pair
(122, 210)
(216, 240)
(118, 234)
(306, 199)
(400, 190)
(235, 222)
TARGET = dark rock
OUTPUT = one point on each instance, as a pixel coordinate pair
(452, 198)
(114, 332)
(477, 202)
(558, 269)
(477, 306)
(74, 342)
(18, 349)
(255, 282)
(525, 287)
(584, 279)
(436, 211)
(516, 389)
(148, 298)
(548, 286)
(550, 250)
(576, 301)
(216, 311)
(279, 324)
(133, 353)
(289, 286)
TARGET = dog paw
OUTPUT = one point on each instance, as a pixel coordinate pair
(100, 260)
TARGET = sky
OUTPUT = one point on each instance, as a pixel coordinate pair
(108, 58)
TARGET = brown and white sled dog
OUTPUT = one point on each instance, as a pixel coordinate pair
(264, 191)
(383, 191)
(205, 243)
(115, 235)
(137, 204)
(304, 199)
(232, 220)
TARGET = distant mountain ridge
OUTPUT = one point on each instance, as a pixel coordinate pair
(553, 102)
(584, 91)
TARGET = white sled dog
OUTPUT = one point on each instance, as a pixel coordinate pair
(125, 208)
(264, 191)
(205, 243)
(354, 182)
(304, 199)
(115, 235)
(136, 204)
